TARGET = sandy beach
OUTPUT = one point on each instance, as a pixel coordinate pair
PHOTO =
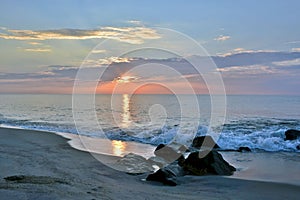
(54, 170)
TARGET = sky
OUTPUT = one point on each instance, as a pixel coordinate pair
(253, 46)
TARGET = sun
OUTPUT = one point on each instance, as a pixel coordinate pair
(126, 79)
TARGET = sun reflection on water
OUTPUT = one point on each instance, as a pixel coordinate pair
(126, 111)
(119, 147)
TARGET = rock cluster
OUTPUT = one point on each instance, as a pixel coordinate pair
(189, 161)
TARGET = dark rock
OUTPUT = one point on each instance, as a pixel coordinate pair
(159, 161)
(244, 149)
(175, 169)
(160, 146)
(228, 150)
(163, 177)
(167, 175)
(292, 134)
(180, 160)
(207, 162)
(209, 142)
(183, 148)
(167, 153)
(298, 147)
(240, 149)
(15, 178)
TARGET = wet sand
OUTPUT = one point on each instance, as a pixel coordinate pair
(53, 170)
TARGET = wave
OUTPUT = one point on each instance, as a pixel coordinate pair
(255, 133)
(259, 133)
(37, 125)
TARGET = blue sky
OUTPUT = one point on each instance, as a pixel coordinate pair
(223, 28)
(252, 25)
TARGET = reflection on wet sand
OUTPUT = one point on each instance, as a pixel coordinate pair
(118, 147)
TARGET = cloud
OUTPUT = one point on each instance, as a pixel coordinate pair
(107, 61)
(222, 38)
(25, 76)
(132, 35)
(239, 72)
(135, 22)
(294, 42)
(295, 49)
(35, 43)
(242, 50)
(255, 57)
(249, 63)
(40, 50)
(294, 62)
(96, 51)
(247, 70)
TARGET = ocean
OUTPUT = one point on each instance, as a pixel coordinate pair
(255, 121)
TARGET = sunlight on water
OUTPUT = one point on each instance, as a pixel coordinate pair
(126, 111)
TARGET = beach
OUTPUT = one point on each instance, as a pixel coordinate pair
(52, 169)
(149, 100)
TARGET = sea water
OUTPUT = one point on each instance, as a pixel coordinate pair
(255, 121)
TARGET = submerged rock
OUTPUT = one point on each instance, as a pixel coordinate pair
(240, 149)
(244, 149)
(207, 162)
(209, 142)
(298, 147)
(292, 134)
(134, 164)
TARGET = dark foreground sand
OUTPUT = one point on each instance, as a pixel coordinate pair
(54, 170)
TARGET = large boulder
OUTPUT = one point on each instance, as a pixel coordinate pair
(167, 175)
(292, 134)
(167, 153)
(209, 142)
(207, 162)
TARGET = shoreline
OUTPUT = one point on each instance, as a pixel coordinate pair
(90, 144)
(46, 156)
(275, 167)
